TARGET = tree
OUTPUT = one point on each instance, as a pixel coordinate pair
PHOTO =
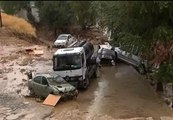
(56, 15)
(85, 13)
(139, 22)
(12, 7)
(146, 26)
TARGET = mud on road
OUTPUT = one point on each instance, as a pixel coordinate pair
(119, 92)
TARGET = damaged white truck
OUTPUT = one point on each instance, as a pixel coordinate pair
(76, 64)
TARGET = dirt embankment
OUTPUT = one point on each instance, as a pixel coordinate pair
(15, 61)
(93, 35)
(18, 25)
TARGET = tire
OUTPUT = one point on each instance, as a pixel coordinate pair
(94, 74)
(75, 96)
(86, 83)
(31, 92)
(116, 56)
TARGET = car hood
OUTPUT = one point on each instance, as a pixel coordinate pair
(66, 87)
(60, 41)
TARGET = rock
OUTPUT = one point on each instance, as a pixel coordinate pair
(29, 116)
(7, 70)
(22, 70)
(166, 118)
(11, 64)
(5, 78)
(4, 61)
(18, 91)
(24, 80)
(13, 116)
(149, 118)
(25, 61)
(9, 111)
(1, 71)
(26, 103)
(38, 100)
(2, 117)
(21, 84)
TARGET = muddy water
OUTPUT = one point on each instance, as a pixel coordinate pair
(119, 92)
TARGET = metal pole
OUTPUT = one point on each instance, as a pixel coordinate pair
(0, 19)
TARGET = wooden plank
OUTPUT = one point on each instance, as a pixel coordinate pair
(51, 100)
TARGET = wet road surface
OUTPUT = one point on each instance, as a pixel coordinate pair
(119, 92)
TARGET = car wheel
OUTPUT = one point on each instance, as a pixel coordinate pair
(116, 56)
(66, 44)
(96, 73)
(31, 92)
(74, 97)
(86, 83)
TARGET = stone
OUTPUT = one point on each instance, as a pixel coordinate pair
(22, 70)
(5, 78)
(166, 118)
(11, 64)
(1, 71)
(18, 91)
(12, 117)
(24, 80)
(149, 118)
(26, 103)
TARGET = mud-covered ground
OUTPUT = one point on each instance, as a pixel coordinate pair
(118, 93)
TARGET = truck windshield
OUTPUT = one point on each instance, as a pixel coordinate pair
(67, 62)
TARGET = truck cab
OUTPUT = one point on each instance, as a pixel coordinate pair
(75, 64)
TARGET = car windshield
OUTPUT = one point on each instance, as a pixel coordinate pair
(62, 37)
(67, 62)
(54, 80)
(105, 52)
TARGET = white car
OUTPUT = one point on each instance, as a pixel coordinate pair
(127, 57)
(64, 40)
(106, 55)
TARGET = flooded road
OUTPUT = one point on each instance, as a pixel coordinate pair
(119, 92)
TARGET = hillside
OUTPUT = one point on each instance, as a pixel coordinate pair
(18, 25)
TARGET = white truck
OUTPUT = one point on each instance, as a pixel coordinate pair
(76, 64)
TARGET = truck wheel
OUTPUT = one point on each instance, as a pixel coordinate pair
(86, 83)
(75, 96)
(95, 74)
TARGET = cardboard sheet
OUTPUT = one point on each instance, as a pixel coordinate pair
(51, 100)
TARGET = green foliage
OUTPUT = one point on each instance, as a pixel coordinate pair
(85, 13)
(61, 14)
(140, 25)
(165, 72)
(139, 22)
(56, 14)
(12, 7)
